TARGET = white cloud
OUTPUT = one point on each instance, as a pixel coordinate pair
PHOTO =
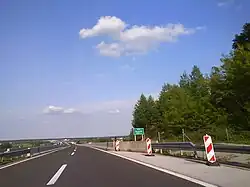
(54, 109)
(69, 110)
(114, 111)
(107, 106)
(58, 110)
(135, 39)
(112, 106)
(225, 2)
(201, 28)
(112, 50)
(107, 25)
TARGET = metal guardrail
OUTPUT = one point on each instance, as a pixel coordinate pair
(189, 146)
(15, 153)
(32, 151)
(192, 147)
(11, 149)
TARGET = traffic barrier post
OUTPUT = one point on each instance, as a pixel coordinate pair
(209, 149)
(117, 145)
(149, 147)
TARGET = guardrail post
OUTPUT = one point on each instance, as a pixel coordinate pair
(29, 154)
(195, 154)
(156, 150)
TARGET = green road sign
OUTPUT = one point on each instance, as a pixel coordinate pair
(138, 131)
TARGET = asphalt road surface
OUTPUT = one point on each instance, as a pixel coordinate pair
(85, 167)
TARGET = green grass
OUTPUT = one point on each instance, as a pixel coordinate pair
(27, 145)
(23, 145)
(7, 160)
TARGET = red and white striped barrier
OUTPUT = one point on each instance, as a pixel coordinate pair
(117, 145)
(149, 147)
(209, 150)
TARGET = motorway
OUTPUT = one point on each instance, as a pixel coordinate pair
(85, 167)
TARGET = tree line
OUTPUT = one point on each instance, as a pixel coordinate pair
(217, 103)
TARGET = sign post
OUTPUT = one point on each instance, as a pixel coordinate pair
(138, 131)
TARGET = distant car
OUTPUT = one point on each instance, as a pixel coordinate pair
(90, 143)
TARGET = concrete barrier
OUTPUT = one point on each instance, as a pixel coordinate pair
(138, 146)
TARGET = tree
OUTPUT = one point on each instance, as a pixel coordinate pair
(203, 103)
(198, 84)
(139, 115)
(243, 38)
(131, 135)
(37, 143)
(145, 115)
(6, 145)
(152, 115)
(184, 81)
(232, 88)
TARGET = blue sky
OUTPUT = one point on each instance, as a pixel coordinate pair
(77, 68)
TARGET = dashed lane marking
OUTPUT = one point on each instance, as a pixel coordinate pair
(57, 175)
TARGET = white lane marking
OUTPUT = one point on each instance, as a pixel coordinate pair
(37, 156)
(161, 169)
(57, 175)
(72, 153)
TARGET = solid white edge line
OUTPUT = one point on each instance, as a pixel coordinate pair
(197, 181)
(57, 175)
(37, 156)
(72, 153)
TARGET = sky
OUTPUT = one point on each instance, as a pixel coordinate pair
(76, 68)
